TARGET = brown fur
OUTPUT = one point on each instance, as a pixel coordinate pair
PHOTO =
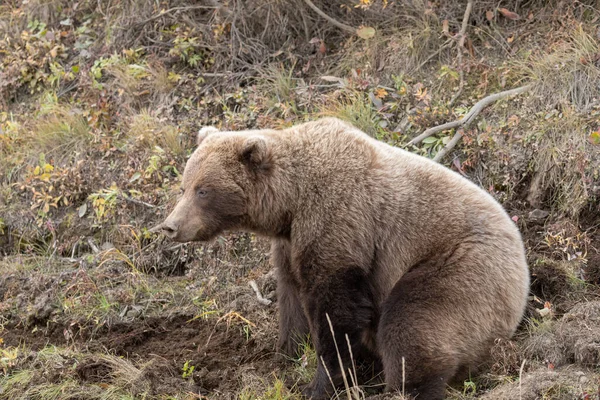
(408, 258)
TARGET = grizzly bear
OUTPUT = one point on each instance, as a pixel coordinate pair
(409, 261)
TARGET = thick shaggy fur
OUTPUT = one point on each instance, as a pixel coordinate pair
(409, 259)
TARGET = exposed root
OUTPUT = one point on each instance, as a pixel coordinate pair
(466, 120)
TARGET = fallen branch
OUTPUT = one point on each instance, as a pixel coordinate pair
(453, 142)
(470, 116)
(259, 296)
(467, 119)
(462, 35)
(333, 21)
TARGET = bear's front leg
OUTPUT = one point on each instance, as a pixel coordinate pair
(293, 326)
(347, 299)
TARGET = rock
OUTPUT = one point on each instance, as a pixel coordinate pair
(41, 310)
(538, 215)
(134, 311)
(107, 246)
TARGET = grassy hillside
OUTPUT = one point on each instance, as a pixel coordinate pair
(99, 105)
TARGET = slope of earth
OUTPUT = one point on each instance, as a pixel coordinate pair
(99, 106)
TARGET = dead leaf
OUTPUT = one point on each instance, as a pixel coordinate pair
(54, 52)
(508, 14)
(470, 48)
(445, 28)
(82, 210)
(489, 15)
(306, 66)
(510, 39)
(330, 78)
(365, 32)
(513, 120)
(376, 102)
(322, 48)
(595, 137)
(380, 93)
(544, 312)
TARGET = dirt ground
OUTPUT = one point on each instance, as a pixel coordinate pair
(99, 106)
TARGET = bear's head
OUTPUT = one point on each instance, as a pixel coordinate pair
(219, 180)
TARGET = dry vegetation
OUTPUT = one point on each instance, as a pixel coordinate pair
(99, 103)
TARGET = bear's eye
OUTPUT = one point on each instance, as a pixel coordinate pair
(201, 193)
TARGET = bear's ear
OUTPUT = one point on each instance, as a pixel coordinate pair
(255, 152)
(204, 132)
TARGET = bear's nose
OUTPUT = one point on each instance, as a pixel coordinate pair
(170, 229)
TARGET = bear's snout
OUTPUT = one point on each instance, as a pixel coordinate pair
(170, 229)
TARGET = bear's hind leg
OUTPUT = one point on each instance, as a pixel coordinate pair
(416, 327)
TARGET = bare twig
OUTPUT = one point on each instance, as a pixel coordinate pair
(465, 21)
(304, 24)
(216, 74)
(93, 246)
(136, 201)
(174, 9)
(521, 379)
(333, 21)
(438, 51)
(462, 35)
(470, 116)
(156, 229)
(175, 247)
(259, 296)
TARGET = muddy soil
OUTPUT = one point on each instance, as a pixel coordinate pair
(220, 352)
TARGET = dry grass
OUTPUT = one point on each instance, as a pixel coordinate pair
(545, 384)
(354, 107)
(62, 132)
(83, 376)
(567, 74)
(140, 84)
(564, 163)
(259, 389)
(148, 131)
(278, 82)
